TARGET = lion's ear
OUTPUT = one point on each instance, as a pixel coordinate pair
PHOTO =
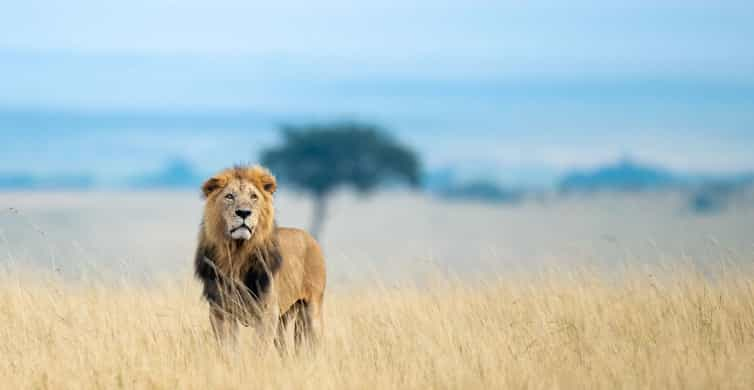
(269, 183)
(213, 184)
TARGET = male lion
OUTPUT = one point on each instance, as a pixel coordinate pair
(253, 271)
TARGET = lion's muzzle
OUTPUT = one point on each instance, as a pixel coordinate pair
(242, 232)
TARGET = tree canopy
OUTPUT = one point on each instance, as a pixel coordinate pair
(319, 158)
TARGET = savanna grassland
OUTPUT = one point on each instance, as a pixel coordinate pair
(609, 293)
(564, 330)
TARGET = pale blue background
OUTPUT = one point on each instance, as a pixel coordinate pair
(522, 91)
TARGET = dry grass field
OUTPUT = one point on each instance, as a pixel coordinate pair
(571, 330)
(606, 293)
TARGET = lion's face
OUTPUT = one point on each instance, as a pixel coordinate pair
(239, 203)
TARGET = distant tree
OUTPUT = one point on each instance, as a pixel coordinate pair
(319, 158)
(715, 196)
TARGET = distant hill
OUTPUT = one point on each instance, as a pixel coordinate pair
(625, 175)
(446, 184)
(482, 191)
(23, 181)
(177, 174)
(705, 193)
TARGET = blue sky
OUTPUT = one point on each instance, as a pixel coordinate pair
(528, 88)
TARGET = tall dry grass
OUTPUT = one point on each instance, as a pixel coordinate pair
(573, 330)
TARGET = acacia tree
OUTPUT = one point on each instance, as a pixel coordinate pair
(319, 158)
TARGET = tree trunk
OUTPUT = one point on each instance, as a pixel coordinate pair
(319, 214)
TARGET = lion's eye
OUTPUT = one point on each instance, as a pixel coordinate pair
(230, 197)
(253, 196)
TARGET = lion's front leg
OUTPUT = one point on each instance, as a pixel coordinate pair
(224, 326)
(267, 320)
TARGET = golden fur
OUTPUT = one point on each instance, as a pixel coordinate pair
(265, 276)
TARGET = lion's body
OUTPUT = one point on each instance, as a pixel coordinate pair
(269, 278)
(303, 276)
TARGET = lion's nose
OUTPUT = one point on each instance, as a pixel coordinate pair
(243, 213)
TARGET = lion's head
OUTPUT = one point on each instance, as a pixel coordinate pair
(239, 205)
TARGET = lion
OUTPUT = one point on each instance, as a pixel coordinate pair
(252, 271)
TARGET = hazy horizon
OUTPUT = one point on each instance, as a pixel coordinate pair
(526, 91)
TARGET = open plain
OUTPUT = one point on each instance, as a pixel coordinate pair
(599, 292)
